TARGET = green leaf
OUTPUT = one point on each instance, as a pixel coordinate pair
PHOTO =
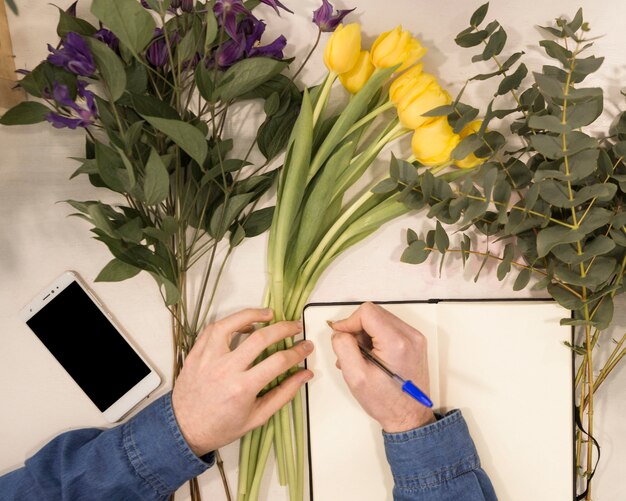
(555, 235)
(258, 221)
(512, 81)
(584, 113)
(479, 15)
(69, 23)
(156, 184)
(187, 47)
(522, 279)
(185, 135)
(505, 265)
(227, 212)
(549, 123)
(440, 111)
(441, 238)
(549, 86)
(494, 46)
(25, 113)
(110, 67)
(100, 221)
(110, 168)
(564, 297)
(116, 271)
(246, 75)
(130, 22)
(204, 82)
(556, 51)
(548, 146)
(468, 145)
(415, 253)
(170, 292)
(385, 186)
(471, 39)
(211, 30)
(12, 6)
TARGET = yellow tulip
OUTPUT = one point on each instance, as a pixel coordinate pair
(470, 160)
(354, 79)
(410, 84)
(433, 142)
(395, 47)
(413, 106)
(343, 48)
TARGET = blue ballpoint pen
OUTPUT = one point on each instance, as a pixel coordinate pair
(407, 385)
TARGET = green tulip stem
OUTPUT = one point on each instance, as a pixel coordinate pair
(279, 450)
(254, 454)
(298, 422)
(361, 162)
(288, 451)
(244, 455)
(264, 451)
(369, 117)
(411, 159)
(322, 100)
(435, 170)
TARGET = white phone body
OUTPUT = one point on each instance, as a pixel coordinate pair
(67, 317)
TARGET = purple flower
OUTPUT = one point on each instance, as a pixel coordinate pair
(77, 116)
(107, 37)
(226, 12)
(275, 4)
(74, 56)
(229, 53)
(186, 5)
(157, 50)
(324, 18)
(253, 34)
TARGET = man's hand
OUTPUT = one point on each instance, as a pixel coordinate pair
(402, 348)
(215, 397)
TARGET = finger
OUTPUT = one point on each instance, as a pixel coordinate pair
(241, 320)
(278, 363)
(263, 338)
(382, 326)
(353, 365)
(275, 399)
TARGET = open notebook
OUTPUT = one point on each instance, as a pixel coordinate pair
(503, 363)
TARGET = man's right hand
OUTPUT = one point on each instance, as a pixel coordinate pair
(402, 348)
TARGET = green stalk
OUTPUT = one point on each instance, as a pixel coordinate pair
(279, 450)
(254, 453)
(244, 452)
(322, 100)
(298, 422)
(288, 449)
(369, 117)
(266, 443)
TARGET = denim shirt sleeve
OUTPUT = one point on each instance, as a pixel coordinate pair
(145, 458)
(437, 462)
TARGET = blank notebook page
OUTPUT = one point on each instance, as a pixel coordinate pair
(502, 363)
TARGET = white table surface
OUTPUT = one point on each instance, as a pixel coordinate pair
(38, 241)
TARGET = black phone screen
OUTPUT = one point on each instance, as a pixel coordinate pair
(88, 346)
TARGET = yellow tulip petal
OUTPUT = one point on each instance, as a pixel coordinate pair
(433, 143)
(354, 80)
(343, 48)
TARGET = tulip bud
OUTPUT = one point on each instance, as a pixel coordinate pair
(357, 77)
(413, 106)
(343, 48)
(470, 160)
(396, 47)
(433, 142)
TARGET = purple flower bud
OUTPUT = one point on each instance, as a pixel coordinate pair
(275, 4)
(274, 49)
(186, 5)
(74, 56)
(157, 50)
(252, 29)
(324, 18)
(107, 37)
(174, 4)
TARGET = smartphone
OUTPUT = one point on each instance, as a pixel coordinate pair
(73, 325)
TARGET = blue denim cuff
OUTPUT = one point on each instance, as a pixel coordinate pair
(429, 456)
(157, 450)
